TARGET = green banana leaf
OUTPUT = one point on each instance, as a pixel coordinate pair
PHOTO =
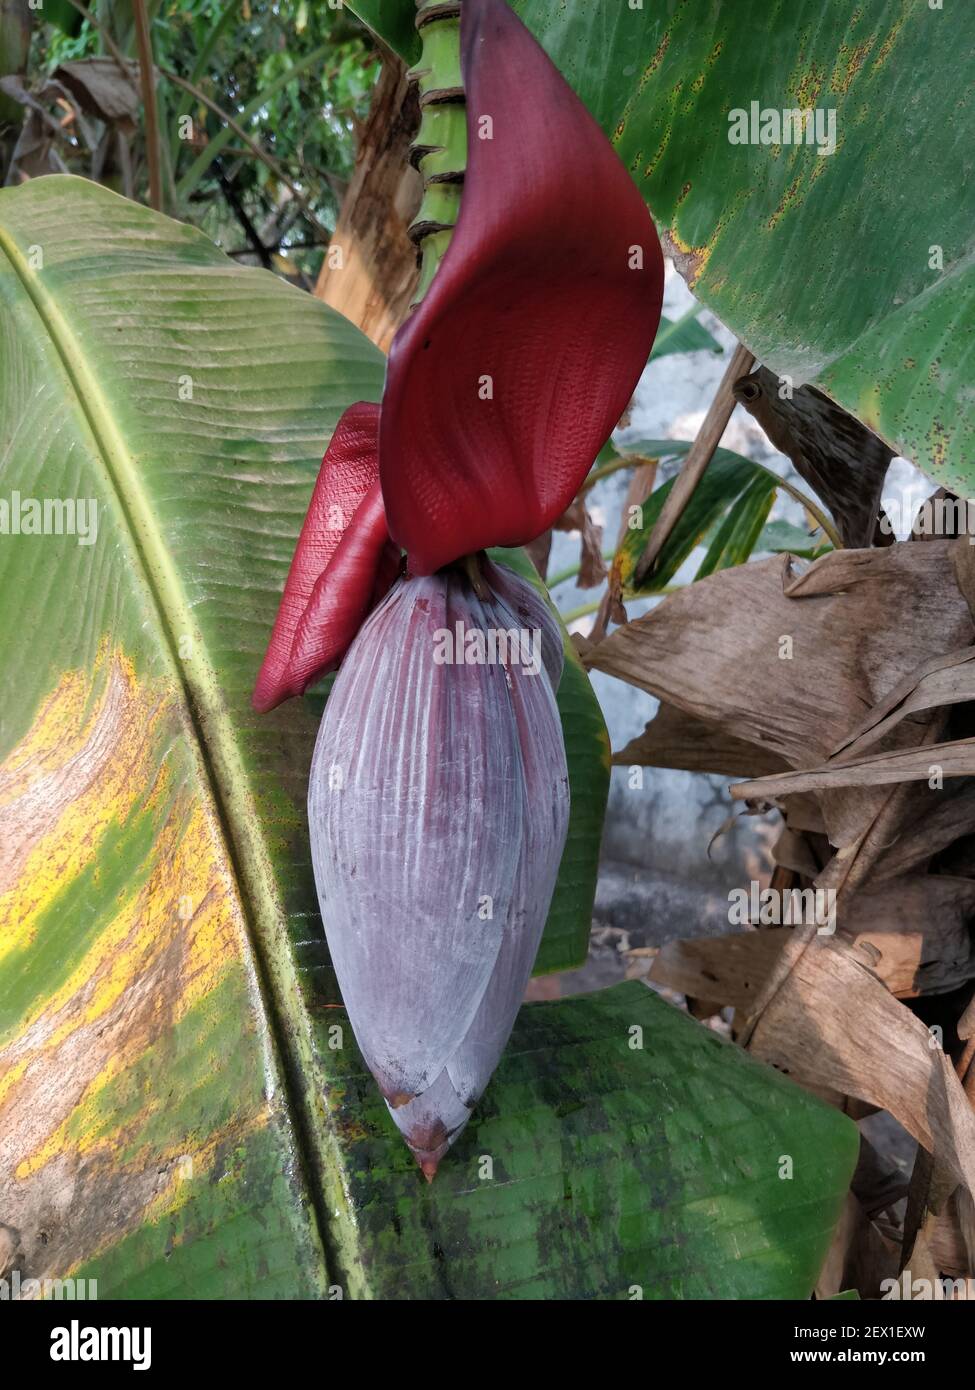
(727, 510)
(854, 270)
(780, 536)
(225, 135)
(173, 1050)
(622, 1151)
(565, 943)
(683, 335)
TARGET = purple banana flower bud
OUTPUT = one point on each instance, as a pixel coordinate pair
(438, 808)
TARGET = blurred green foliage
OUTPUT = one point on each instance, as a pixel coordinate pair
(234, 52)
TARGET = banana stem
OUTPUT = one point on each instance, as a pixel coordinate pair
(439, 150)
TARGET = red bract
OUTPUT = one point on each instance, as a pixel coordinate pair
(343, 564)
(508, 378)
(505, 382)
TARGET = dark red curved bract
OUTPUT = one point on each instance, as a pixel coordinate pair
(343, 563)
(510, 375)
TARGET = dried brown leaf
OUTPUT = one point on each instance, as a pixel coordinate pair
(859, 1257)
(915, 928)
(797, 851)
(592, 566)
(539, 550)
(832, 1022)
(944, 680)
(101, 89)
(843, 461)
(792, 658)
(935, 818)
(717, 649)
(919, 925)
(954, 759)
(679, 740)
(728, 970)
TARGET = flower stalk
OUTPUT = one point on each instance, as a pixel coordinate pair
(439, 150)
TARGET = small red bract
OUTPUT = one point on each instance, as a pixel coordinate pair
(343, 564)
